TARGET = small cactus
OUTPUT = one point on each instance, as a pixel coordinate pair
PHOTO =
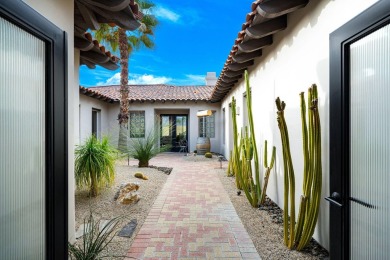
(140, 175)
(208, 155)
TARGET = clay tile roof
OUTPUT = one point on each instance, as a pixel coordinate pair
(156, 92)
(88, 14)
(265, 19)
(92, 53)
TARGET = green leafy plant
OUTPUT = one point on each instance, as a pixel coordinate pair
(144, 149)
(299, 235)
(95, 241)
(95, 164)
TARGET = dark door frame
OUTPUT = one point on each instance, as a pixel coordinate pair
(173, 149)
(339, 128)
(23, 16)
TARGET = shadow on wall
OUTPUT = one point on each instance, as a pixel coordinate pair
(300, 19)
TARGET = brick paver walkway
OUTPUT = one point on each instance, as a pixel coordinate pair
(192, 218)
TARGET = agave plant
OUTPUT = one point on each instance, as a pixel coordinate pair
(144, 149)
(95, 164)
(95, 241)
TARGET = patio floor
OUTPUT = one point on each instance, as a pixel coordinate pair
(193, 217)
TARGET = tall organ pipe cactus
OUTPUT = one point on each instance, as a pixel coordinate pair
(245, 152)
(289, 178)
(252, 136)
(312, 172)
(313, 169)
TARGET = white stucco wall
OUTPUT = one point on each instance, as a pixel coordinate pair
(110, 112)
(86, 105)
(60, 13)
(298, 57)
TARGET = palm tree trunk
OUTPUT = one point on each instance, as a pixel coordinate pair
(123, 116)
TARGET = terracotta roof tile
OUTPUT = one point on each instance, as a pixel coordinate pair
(263, 13)
(157, 92)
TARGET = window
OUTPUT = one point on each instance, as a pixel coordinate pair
(223, 125)
(137, 124)
(207, 126)
(245, 118)
(96, 122)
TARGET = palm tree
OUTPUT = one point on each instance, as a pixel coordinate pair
(128, 41)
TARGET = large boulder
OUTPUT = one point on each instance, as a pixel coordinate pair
(127, 193)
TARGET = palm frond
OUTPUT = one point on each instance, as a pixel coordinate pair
(145, 5)
(107, 35)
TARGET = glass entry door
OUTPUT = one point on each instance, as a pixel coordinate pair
(370, 146)
(174, 131)
(359, 137)
(33, 154)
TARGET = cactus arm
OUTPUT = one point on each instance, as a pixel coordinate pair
(317, 179)
(273, 157)
(289, 178)
(267, 171)
(252, 135)
(239, 173)
(265, 154)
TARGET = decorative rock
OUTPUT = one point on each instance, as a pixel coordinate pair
(128, 230)
(128, 193)
(140, 175)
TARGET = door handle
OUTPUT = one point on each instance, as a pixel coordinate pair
(335, 199)
(365, 204)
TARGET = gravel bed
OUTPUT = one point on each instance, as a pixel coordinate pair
(265, 226)
(104, 207)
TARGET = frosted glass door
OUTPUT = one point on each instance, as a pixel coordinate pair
(22, 138)
(370, 146)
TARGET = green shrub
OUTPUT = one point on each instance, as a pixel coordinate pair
(208, 155)
(94, 241)
(95, 164)
(144, 149)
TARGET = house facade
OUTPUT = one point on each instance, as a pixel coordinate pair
(172, 109)
(342, 46)
(339, 46)
(286, 49)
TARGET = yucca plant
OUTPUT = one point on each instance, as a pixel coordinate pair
(95, 241)
(95, 164)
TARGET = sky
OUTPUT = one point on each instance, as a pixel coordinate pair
(192, 38)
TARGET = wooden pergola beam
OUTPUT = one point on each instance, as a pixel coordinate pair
(243, 57)
(276, 8)
(239, 66)
(227, 79)
(230, 73)
(267, 28)
(256, 44)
